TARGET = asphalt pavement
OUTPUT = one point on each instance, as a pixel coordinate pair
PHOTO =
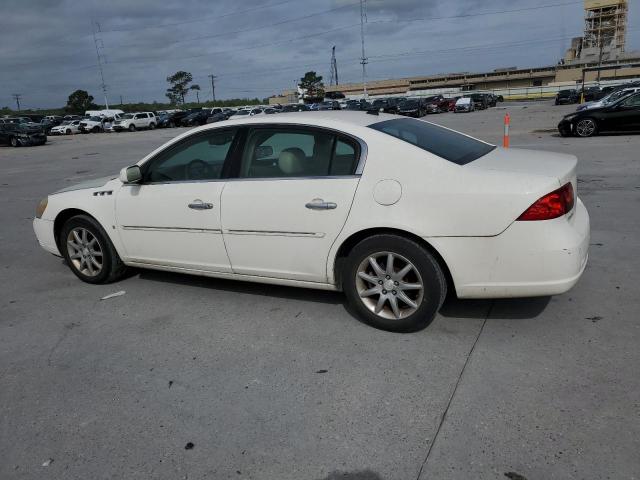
(188, 377)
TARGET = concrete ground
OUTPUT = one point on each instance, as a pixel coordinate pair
(280, 383)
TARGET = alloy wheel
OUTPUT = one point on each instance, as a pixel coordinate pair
(389, 285)
(586, 127)
(85, 251)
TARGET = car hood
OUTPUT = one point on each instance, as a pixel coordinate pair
(95, 183)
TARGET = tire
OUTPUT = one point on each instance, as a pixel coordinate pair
(109, 269)
(152, 126)
(68, 132)
(14, 142)
(132, 128)
(586, 127)
(358, 276)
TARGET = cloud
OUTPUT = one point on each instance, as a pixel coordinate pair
(260, 47)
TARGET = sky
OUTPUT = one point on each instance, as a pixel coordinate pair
(258, 48)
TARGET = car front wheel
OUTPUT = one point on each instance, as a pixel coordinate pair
(89, 252)
(132, 128)
(587, 127)
(152, 126)
(393, 283)
(14, 142)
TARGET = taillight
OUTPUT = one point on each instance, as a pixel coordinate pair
(553, 205)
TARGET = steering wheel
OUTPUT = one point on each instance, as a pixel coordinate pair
(197, 170)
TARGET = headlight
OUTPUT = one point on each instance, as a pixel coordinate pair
(42, 206)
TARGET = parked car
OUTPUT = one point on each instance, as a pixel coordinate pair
(412, 107)
(621, 115)
(464, 104)
(435, 104)
(480, 100)
(21, 135)
(451, 104)
(295, 107)
(392, 104)
(196, 118)
(172, 119)
(329, 105)
(391, 235)
(135, 121)
(91, 124)
(591, 94)
(564, 97)
(67, 127)
(611, 98)
(380, 104)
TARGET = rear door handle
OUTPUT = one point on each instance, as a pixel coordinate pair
(200, 205)
(319, 204)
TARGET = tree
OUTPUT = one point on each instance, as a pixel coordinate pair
(79, 102)
(196, 88)
(179, 82)
(311, 86)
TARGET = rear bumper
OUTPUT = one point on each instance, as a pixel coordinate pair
(528, 259)
(44, 233)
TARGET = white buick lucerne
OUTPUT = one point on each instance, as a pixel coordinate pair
(393, 211)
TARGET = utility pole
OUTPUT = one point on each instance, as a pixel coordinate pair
(334, 68)
(363, 59)
(213, 86)
(120, 100)
(16, 97)
(95, 41)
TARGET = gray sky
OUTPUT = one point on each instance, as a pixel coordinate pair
(260, 47)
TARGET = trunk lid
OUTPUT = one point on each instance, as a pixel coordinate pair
(505, 182)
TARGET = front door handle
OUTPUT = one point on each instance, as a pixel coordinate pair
(200, 205)
(319, 204)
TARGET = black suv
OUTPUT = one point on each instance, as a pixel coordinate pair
(412, 107)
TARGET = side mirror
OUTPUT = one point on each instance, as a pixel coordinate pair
(131, 174)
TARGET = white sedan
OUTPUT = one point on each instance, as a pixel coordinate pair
(67, 127)
(393, 211)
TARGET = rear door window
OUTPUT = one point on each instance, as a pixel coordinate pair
(447, 144)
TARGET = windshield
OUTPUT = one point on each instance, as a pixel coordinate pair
(127, 116)
(95, 119)
(448, 144)
(243, 112)
(408, 104)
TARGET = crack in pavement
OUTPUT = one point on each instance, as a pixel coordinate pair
(455, 389)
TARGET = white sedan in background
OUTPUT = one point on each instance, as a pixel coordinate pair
(68, 127)
(393, 211)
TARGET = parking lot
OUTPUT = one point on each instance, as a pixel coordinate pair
(187, 377)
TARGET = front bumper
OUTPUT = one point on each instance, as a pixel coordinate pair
(44, 233)
(528, 259)
(565, 127)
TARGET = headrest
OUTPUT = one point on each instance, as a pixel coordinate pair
(291, 161)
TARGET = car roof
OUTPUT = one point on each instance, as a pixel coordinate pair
(320, 118)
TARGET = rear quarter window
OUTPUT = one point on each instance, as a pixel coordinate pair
(447, 144)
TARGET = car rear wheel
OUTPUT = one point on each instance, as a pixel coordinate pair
(152, 126)
(393, 283)
(132, 128)
(14, 142)
(587, 127)
(89, 252)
